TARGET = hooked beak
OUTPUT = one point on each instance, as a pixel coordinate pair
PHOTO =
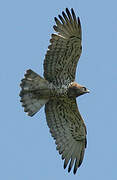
(87, 91)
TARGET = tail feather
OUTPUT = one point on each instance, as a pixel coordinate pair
(32, 94)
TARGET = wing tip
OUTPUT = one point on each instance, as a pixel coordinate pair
(67, 11)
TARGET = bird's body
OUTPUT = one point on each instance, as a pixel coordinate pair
(58, 90)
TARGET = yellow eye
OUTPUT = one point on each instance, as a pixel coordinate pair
(84, 88)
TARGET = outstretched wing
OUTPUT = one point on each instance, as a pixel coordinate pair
(64, 51)
(68, 129)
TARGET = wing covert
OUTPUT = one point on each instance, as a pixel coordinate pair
(68, 129)
(64, 50)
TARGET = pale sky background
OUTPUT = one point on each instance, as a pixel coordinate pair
(27, 150)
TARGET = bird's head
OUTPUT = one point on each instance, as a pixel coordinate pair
(76, 90)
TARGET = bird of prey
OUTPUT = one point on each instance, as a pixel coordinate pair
(58, 90)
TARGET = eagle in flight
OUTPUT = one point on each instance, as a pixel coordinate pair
(58, 90)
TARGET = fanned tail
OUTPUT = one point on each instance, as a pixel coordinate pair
(34, 92)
